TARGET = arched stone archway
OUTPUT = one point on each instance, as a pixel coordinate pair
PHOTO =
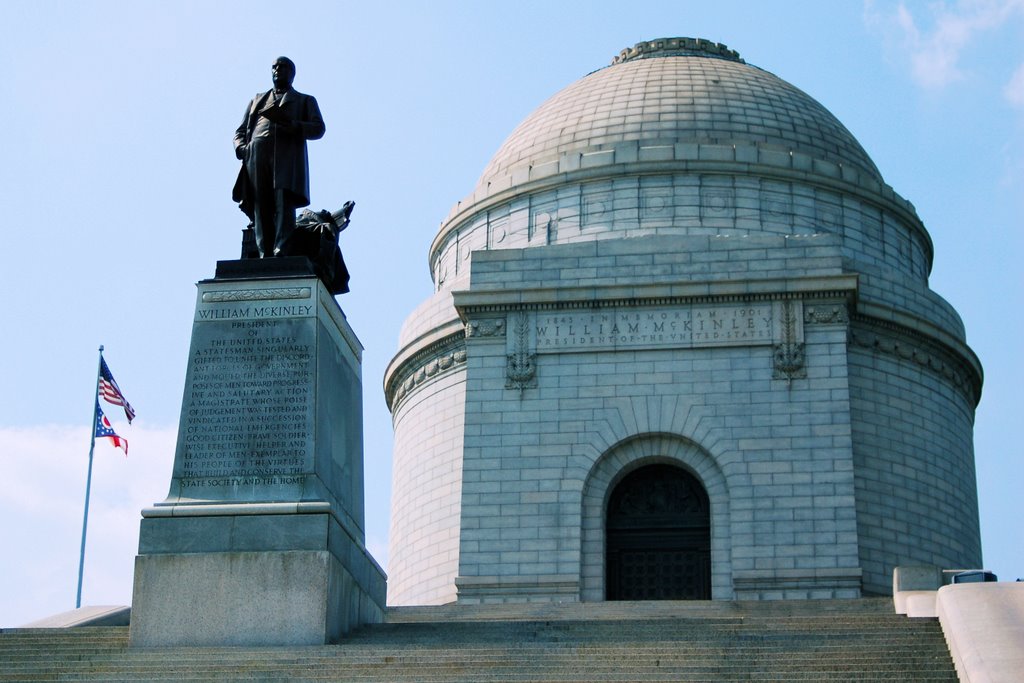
(630, 455)
(658, 537)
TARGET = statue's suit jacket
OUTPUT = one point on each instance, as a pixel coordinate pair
(291, 164)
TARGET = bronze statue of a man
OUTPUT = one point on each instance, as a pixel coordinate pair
(271, 143)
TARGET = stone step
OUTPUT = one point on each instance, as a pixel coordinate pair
(509, 670)
(458, 654)
(583, 636)
(414, 677)
(641, 632)
(667, 609)
(831, 641)
(582, 671)
(876, 652)
(896, 623)
(535, 666)
(487, 659)
(577, 633)
(525, 654)
(679, 651)
(418, 675)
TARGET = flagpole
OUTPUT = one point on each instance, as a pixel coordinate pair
(88, 480)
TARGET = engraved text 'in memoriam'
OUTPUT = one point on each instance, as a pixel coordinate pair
(688, 326)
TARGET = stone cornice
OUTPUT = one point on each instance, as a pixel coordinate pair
(957, 363)
(444, 348)
(437, 358)
(264, 294)
(890, 318)
(468, 302)
(434, 338)
(829, 300)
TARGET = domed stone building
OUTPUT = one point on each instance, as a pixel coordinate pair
(682, 345)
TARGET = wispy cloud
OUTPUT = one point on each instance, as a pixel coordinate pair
(41, 497)
(1014, 89)
(933, 40)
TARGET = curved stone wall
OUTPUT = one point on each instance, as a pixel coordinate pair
(912, 406)
(426, 492)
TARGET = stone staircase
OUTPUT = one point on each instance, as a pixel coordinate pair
(854, 640)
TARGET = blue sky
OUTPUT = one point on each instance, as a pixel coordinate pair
(117, 170)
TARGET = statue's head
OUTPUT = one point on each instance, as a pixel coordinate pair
(283, 72)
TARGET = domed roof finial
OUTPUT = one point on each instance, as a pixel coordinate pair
(676, 47)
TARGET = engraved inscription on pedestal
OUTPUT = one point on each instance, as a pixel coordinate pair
(247, 422)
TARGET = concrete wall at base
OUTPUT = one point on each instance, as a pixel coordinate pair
(984, 628)
(254, 599)
(90, 615)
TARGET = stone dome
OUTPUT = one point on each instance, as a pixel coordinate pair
(681, 107)
(678, 90)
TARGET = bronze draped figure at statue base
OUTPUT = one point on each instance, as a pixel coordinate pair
(315, 237)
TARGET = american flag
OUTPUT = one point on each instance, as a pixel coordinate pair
(111, 393)
(105, 430)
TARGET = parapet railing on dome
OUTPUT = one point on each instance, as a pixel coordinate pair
(672, 47)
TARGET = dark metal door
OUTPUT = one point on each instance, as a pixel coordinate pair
(658, 540)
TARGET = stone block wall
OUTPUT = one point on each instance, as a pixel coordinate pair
(776, 458)
(875, 229)
(540, 458)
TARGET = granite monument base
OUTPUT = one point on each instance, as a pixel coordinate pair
(239, 584)
(260, 540)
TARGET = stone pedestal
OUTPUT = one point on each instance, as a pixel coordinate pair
(260, 540)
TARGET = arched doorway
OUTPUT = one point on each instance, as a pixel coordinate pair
(658, 537)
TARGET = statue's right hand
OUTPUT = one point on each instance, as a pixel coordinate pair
(240, 152)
